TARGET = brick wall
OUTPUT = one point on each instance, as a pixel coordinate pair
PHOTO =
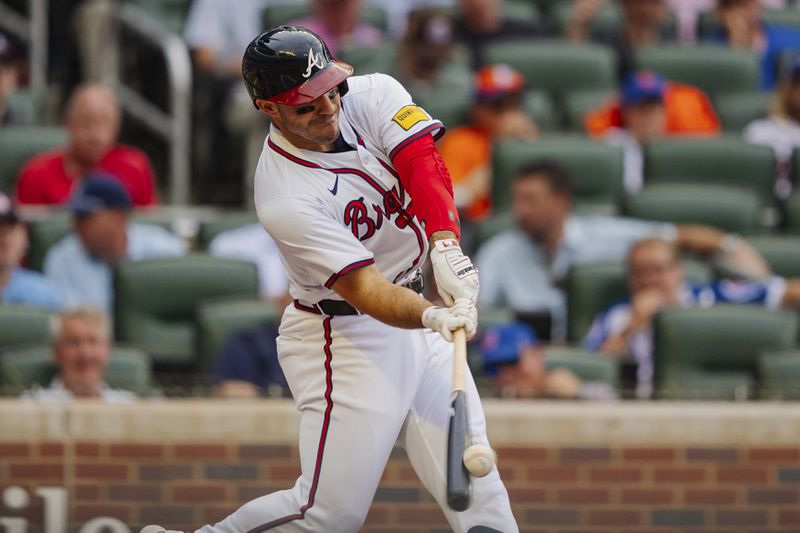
(618, 487)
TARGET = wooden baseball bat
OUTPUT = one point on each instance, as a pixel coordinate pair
(458, 481)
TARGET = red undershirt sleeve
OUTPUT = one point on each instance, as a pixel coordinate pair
(423, 174)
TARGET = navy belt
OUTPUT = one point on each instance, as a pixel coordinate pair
(342, 308)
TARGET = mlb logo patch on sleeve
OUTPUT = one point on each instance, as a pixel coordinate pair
(409, 115)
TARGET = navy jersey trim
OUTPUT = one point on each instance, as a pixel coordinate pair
(349, 268)
(425, 131)
(326, 423)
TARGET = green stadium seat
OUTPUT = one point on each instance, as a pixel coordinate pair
(539, 105)
(452, 113)
(228, 221)
(592, 287)
(728, 208)
(779, 375)
(171, 13)
(588, 366)
(522, 10)
(711, 353)
(43, 233)
(715, 69)
(276, 15)
(497, 223)
(19, 143)
(596, 168)
(737, 110)
(556, 66)
(368, 59)
(25, 104)
(21, 325)
(727, 160)
(128, 369)
(782, 252)
(155, 301)
(216, 320)
(577, 104)
(793, 212)
(707, 24)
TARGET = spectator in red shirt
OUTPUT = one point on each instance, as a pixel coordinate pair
(93, 121)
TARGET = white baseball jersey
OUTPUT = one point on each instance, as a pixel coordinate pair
(332, 212)
(362, 386)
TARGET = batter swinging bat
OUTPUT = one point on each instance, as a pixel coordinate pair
(458, 484)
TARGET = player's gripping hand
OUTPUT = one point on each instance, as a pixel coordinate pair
(455, 275)
(463, 314)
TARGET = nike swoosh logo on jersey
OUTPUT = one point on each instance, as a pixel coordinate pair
(335, 187)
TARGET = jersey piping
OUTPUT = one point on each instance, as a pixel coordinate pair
(326, 421)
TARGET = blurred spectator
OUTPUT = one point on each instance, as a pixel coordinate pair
(80, 264)
(496, 114)
(650, 108)
(480, 23)
(339, 24)
(642, 26)
(742, 28)
(656, 280)
(687, 14)
(247, 366)
(11, 63)
(525, 268)
(93, 120)
(218, 31)
(781, 130)
(427, 62)
(81, 349)
(252, 243)
(513, 358)
(19, 285)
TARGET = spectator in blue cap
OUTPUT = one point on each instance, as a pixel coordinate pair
(19, 285)
(651, 108)
(781, 130)
(513, 358)
(81, 263)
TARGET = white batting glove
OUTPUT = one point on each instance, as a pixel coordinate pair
(463, 314)
(453, 271)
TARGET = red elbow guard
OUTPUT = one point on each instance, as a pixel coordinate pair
(424, 175)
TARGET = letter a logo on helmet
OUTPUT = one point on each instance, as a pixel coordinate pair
(313, 61)
(292, 66)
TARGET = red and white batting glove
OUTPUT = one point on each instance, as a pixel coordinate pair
(463, 314)
(454, 273)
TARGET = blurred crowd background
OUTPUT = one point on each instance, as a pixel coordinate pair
(626, 172)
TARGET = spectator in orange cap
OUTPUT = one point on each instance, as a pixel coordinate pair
(93, 120)
(648, 108)
(496, 114)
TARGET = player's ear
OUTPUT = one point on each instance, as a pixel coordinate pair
(268, 108)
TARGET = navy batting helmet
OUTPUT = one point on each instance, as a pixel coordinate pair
(291, 65)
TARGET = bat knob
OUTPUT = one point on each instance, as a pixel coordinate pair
(458, 502)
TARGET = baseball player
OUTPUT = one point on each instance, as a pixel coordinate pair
(351, 188)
